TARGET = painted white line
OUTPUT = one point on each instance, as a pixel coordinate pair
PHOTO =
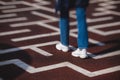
(106, 25)
(8, 15)
(107, 70)
(91, 20)
(90, 40)
(14, 32)
(31, 69)
(34, 48)
(101, 9)
(48, 26)
(110, 3)
(42, 2)
(108, 7)
(107, 55)
(27, 47)
(34, 37)
(19, 10)
(41, 23)
(40, 51)
(95, 73)
(49, 21)
(13, 2)
(105, 33)
(99, 19)
(13, 20)
(40, 7)
(7, 7)
(44, 15)
(95, 29)
(106, 4)
(1, 2)
(95, 19)
(101, 13)
(96, 42)
(24, 24)
(108, 11)
(98, 1)
(115, 13)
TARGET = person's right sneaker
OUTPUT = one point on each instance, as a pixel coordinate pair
(62, 47)
(82, 53)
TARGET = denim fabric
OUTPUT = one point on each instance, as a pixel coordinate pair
(82, 39)
(82, 28)
(61, 4)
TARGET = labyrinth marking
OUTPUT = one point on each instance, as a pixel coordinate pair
(7, 7)
(12, 3)
(115, 53)
(90, 40)
(34, 37)
(40, 7)
(79, 69)
(45, 16)
(99, 19)
(13, 20)
(104, 12)
(42, 52)
(1, 2)
(105, 9)
(14, 32)
(95, 29)
(8, 15)
(19, 10)
(93, 20)
(42, 2)
(27, 47)
(49, 27)
(24, 24)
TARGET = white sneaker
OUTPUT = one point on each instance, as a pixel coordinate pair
(82, 53)
(62, 47)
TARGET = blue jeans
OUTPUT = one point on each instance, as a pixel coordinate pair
(82, 39)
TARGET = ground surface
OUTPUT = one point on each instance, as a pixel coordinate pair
(29, 31)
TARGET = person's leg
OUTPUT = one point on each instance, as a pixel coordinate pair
(64, 27)
(82, 28)
(64, 31)
(82, 39)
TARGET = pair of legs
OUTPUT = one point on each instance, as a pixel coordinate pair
(82, 39)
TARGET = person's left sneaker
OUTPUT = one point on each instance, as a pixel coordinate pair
(82, 53)
(62, 47)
